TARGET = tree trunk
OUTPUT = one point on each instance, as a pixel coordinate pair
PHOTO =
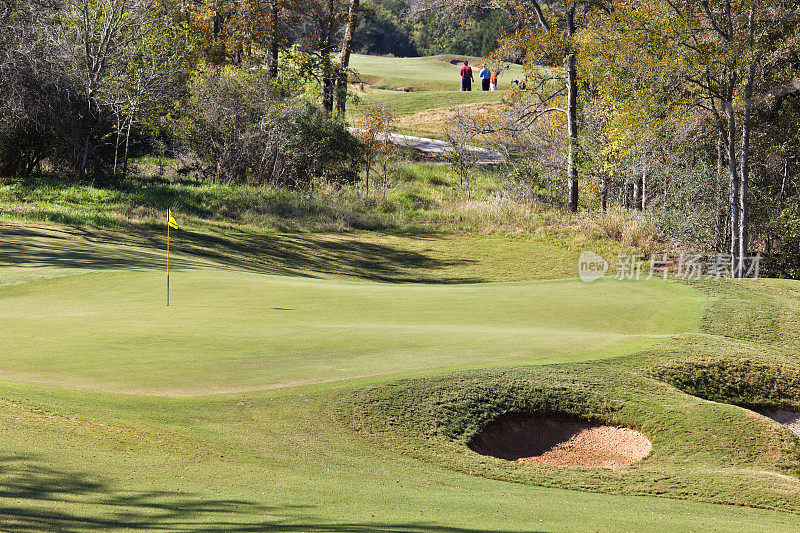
(781, 195)
(720, 229)
(604, 193)
(116, 150)
(745, 162)
(344, 61)
(637, 193)
(328, 83)
(328, 77)
(125, 153)
(745, 178)
(84, 161)
(572, 131)
(734, 177)
(572, 113)
(272, 70)
(643, 188)
(366, 178)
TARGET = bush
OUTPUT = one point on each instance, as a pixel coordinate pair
(786, 228)
(307, 143)
(245, 129)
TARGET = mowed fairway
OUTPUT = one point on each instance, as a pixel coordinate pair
(433, 84)
(228, 331)
(270, 453)
(422, 73)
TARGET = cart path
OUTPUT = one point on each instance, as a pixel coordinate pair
(438, 148)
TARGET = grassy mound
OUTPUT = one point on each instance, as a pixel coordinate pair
(750, 384)
(458, 407)
(701, 449)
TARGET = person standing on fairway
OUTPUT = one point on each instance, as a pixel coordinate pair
(493, 81)
(466, 77)
(484, 75)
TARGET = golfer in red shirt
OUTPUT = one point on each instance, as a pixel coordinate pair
(466, 77)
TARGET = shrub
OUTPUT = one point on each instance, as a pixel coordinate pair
(307, 143)
(787, 229)
(245, 129)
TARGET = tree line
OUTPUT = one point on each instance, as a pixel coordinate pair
(84, 82)
(684, 109)
(660, 97)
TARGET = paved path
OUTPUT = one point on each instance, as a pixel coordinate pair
(438, 148)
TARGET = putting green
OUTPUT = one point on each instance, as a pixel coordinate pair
(279, 460)
(231, 331)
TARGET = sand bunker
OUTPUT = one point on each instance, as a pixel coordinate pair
(790, 419)
(561, 441)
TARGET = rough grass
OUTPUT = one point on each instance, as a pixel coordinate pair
(143, 200)
(630, 228)
(424, 200)
(750, 384)
(433, 123)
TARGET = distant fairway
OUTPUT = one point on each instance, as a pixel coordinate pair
(230, 331)
(434, 84)
(422, 73)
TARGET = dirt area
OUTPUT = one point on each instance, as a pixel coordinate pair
(790, 419)
(453, 59)
(434, 121)
(561, 441)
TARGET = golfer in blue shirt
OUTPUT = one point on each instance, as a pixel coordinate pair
(485, 74)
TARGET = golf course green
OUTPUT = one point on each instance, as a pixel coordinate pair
(233, 409)
(231, 331)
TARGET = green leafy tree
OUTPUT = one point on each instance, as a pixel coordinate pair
(712, 59)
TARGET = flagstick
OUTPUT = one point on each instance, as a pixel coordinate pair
(167, 262)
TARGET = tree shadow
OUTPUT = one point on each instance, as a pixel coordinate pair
(30, 246)
(36, 498)
(300, 254)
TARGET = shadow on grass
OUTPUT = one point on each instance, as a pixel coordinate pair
(34, 498)
(300, 254)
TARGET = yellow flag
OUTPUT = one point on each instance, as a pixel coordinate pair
(172, 223)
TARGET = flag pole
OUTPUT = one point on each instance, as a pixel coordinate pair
(167, 258)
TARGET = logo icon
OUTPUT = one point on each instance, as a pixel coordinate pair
(591, 267)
